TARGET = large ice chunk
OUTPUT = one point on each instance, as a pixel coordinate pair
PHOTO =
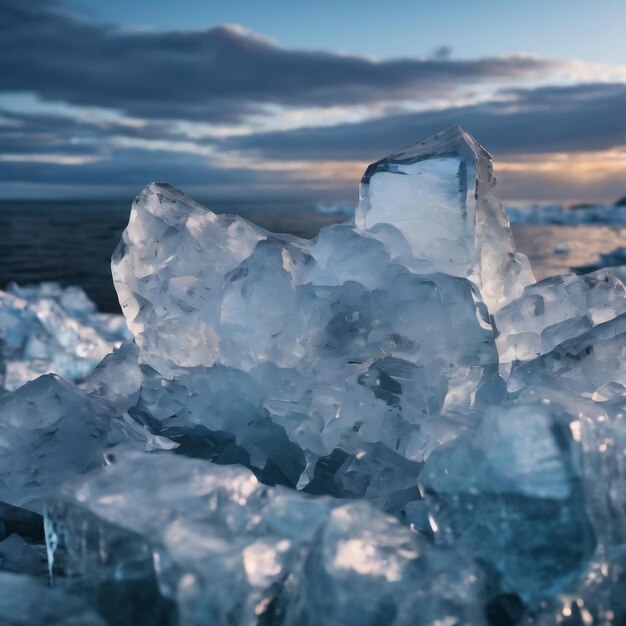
(513, 491)
(297, 349)
(362, 569)
(50, 329)
(441, 195)
(599, 429)
(51, 431)
(214, 545)
(603, 437)
(169, 273)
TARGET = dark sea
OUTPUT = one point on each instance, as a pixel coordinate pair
(71, 242)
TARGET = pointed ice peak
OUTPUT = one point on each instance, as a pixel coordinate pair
(454, 142)
(440, 193)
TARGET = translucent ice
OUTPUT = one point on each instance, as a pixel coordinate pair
(373, 572)
(117, 378)
(403, 359)
(440, 194)
(555, 310)
(513, 491)
(590, 365)
(51, 329)
(217, 547)
(51, 431)
(296, 348)
(596, 598)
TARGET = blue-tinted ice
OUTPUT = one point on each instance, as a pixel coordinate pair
(390, 424)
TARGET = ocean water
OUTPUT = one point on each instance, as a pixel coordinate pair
(72, 242)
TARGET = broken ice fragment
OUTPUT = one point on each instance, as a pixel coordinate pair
(554, 310)
(117, 378)
(365, 569)
(50, 329)
(590, 365)
(440, 194)
(51, 431)
(512, 490)
(224, 549)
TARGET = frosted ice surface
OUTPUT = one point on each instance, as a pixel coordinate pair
(441, 195)
(225, 549)
(50, 329)
(26, 602)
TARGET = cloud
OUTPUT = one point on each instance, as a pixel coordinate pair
(217, 74)
(123, 173)
(547, 119)
(189, 106)
(549, 142)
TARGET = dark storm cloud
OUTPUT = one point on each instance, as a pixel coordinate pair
(548, 119)
(580, 117)
(132, 168)
(45, 133)
(216, 74)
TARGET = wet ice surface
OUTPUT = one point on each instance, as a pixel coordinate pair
(391, 423)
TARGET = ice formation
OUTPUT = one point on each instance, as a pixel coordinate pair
(221, 548)
(352, 359)
(50, 431)
(440, 194)
(392, 423)
(555, 310)
(512, 490)
(47, 328)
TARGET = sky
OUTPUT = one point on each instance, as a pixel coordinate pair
(243, 99)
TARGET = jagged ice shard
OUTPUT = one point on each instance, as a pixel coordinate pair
(440, 194)
(458, 430)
